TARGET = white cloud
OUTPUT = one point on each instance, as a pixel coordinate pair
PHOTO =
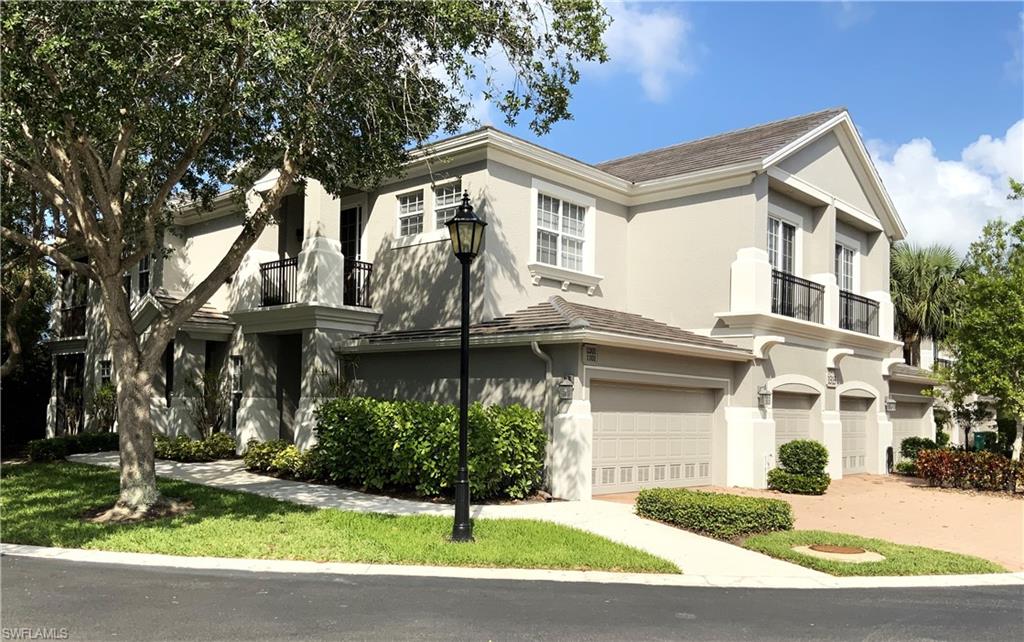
(949, 201)
(652, 42)
(848, 13)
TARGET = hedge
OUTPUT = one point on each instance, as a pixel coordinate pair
(972, 470)
(911, 446)
(278, 457)
(216, 446)
(802, 468)
(60, 447)
(714, 514)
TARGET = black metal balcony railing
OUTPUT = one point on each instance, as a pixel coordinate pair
(278, 281)
(796, 297)
(858, 313)
(357, 283)
(72, 321)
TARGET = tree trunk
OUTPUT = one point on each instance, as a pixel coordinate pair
(1018, 440)
(912, 348)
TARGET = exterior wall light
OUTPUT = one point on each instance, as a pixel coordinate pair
(565, 388)
(764, 397)
(890, 405)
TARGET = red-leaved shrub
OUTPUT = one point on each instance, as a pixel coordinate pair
(976, 470)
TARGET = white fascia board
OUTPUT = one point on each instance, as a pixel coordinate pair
(768, 323)
(304, 316)
(820, 195)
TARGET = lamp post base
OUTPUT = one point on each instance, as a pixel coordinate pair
(462, 529)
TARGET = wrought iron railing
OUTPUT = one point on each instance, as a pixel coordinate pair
(796, 297)
(858, 313)
(279, 281)
(72, 321)
(357, 283)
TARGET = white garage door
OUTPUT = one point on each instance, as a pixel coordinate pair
(907, 421)
(792, 415)
(853, 413)
(650, 437)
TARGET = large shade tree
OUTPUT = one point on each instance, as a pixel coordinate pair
(923, 287)
(113, 112)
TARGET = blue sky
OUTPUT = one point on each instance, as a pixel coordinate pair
(926, 83)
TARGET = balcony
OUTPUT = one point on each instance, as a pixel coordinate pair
(797, 298)
(858, 313)
(357, 283)
(279, 283)
(72, 322)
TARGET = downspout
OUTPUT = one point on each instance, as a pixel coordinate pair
(548, 416)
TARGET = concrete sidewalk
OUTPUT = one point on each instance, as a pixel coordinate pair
(695, 555)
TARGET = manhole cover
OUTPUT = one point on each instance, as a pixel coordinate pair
(838, 550)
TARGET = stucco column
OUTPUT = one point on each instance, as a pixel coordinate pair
(878, 441)
(321, 272)
(830, 298)
(750, 446)
(246, 284)
(571, 451)
(832, 439)
(319, 374)
(751, 281)
(885, 313)
(258, 414)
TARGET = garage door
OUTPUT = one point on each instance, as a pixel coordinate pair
(853, 413)
(792, 415)
(907, 421)
(647, 436)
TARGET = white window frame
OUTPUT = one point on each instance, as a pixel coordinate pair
(588, 203)
(854, 246)
(785, 216)
(108, 366)
(434, 208)
(399, 216)
(360, 202)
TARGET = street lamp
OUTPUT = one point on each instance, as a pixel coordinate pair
(467, 232)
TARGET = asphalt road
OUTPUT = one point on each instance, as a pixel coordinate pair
(113, 602)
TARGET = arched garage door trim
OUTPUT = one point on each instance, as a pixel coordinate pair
(797, 383)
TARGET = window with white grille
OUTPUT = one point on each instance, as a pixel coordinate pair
(844, 267)
(410, 213)
(446, 202)
(106, 371)
(561, 228)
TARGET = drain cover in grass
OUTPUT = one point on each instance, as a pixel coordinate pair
(849, 554)
(840, 550)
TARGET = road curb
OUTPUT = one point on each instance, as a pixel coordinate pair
(456, 572)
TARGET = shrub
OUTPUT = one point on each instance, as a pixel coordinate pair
(207, 402)
(408, 445)
(964, 469)
(56, 448)
(802, 469)
(259, 455)
(186, 449)
(713, 514)
(787, 482)
(907, 467)
(910, 446)
(103, 407)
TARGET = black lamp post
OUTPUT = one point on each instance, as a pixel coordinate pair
(467, 232)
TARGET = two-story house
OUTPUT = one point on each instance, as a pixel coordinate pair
(677, 314)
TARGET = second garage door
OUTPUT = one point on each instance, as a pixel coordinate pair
(853, 414)
(907, 421)
(647, 436)
(792, 414)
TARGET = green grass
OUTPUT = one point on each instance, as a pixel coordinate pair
(899, 559)
(41, 504)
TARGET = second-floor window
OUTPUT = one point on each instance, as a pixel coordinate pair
(105, 372)
(781, 245)
(446, 202)
(410, 213)
(144, 276)
(844, 267)
(560, 232)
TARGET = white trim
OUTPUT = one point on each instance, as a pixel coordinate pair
(398, 212)
(858, 385)
(563, 194)
(423, 238)
(785, 216)
(768, 323)
(763, 344)
(834, 355)
(305, 316)
(855, 246)
(656, 378)
(361, 202)
(566, 277)
(795, 380)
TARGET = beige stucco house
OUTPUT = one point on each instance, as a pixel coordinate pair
(700, 304)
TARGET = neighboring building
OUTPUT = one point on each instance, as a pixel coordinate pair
(708, 301)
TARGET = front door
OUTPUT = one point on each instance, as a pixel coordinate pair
(351, 230)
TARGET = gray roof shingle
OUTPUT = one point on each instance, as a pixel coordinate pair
(731, 148)
(557, 314)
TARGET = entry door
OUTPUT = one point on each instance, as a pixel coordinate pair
(853, 413)
(351, 230)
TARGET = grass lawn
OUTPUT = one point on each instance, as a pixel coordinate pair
(899, 559)
(41, 505)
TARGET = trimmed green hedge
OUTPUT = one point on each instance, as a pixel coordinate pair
(60, 447)
(802, 468)
(216, 446)
(910, 446)
(409, 445)
(714, 514)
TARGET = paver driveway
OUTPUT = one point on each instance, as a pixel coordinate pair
(907, 511)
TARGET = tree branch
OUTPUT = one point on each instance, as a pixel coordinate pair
(62, 260)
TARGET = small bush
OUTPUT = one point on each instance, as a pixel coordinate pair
(259, 455)
(103, 407)
(802, 469)
(910, 446)
(56, 448)
(408, 445)
(973, 470)
(787, 482)
(907, 467)
(803, 457)
(186, 449)
(716, 515)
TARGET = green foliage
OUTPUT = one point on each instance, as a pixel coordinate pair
(183, 448)
(408, 445)
(56, 448)
(103, 407)
(278, 457)
(910, 446)
(714, 514)
(907, 467)
(923, 288)
(208, 403)
(972, 470)
(797, 484)
(802, 470)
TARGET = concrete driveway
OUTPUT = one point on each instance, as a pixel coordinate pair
(908, 511)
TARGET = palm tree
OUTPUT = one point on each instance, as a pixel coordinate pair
(923, 283)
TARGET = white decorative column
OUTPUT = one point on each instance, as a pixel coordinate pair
(571, 451)
(830, 300)
(319, 371)
(879, 441)
(321, 273)
(885, 313)
(751, 281)
(750, 447)
(246, 285)
(832, 439)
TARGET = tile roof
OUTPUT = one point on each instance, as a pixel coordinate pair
(557, 314)
(205, 314)
(731, 148)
